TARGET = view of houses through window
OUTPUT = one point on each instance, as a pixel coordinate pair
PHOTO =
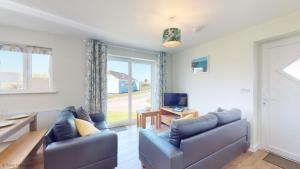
(129, 88)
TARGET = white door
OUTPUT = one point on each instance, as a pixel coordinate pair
(129, 88)
(281, 98)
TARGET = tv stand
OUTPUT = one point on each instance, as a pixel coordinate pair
(167, 114)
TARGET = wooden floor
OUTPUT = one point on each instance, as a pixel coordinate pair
(128, 155)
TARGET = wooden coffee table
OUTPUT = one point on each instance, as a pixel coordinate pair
(167, 115)
(143, 114)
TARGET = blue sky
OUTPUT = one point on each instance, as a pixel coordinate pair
(13, 62)
(139, 71)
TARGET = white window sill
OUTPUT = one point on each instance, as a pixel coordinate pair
(48, 91)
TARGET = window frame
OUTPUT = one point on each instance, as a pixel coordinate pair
(27, 78)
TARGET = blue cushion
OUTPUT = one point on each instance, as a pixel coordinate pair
(65, 128)
(181, 129)
(228, 116)
(71, 109)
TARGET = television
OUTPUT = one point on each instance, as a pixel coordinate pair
(175, 100)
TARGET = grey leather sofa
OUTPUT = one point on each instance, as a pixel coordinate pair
(90, 152)
(208, 142)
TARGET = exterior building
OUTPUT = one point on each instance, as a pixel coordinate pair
(118, 83)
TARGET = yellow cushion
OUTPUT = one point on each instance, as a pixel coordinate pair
(190, 116)
(85, 128)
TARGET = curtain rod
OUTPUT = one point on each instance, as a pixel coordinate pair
(23, 45)
(128, 48)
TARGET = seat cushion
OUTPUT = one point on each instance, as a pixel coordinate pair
(228, 116)
(101, 125)
(181, 129)
(83, 115)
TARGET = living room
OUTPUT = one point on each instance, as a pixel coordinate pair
(214, 84)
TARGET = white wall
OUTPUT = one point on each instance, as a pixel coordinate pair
(68, 72)
(69, 68)
(231, 81)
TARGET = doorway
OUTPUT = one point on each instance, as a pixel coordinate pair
(129, 88)
(280, 97)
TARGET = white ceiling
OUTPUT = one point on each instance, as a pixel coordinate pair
(139, 23)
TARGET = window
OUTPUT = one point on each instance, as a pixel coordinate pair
(25, 69)
(293, 69)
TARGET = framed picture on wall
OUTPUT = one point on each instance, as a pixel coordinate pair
(200, 64)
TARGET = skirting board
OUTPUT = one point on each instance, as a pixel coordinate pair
(254, 148)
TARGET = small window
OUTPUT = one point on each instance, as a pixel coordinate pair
(25, 68)
(40, 76)
(293, 70)
(11, 70)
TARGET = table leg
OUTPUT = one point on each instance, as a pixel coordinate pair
(144, 121)
(33, 124)
(137, 120)
(195, 114)
(152, 119)
(141, 121)
(157, 121)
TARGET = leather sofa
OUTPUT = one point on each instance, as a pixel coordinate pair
(90, 152)
(207, 142)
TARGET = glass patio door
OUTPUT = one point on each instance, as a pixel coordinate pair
(129, 88)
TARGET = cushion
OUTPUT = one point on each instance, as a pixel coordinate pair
(83, 115)
(64, 129)
(97, 117)
(228, 116)
(85, 128)
(220, 109)
(101, 125)
(181, 129)
(71, 109)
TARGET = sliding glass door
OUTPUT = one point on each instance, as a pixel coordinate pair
(129, 88)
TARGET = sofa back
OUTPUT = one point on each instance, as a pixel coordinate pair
(202, 145)
(181, 129)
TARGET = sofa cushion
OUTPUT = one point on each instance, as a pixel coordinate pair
(85, 128)
(101, 125)
(50, 136)
(83, 115)
(227, 116)
(97, 117)
(181, 129)
(71, 109)
(65, 128)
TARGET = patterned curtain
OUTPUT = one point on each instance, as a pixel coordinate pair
(95, 99)
(161, 79)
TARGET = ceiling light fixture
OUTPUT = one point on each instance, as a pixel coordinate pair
(171, 36)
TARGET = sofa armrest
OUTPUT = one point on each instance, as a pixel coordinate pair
(157, 153)
(81, 151)
(97, 117)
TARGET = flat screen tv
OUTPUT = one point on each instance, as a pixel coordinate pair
(175, 99)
